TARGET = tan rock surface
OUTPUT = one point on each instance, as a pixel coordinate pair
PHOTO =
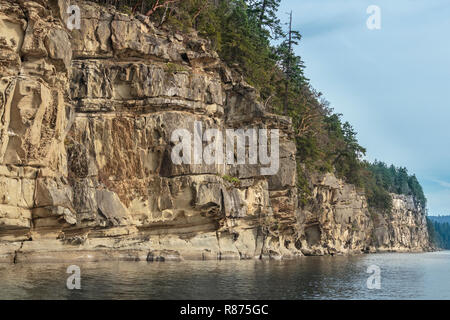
(86, 118)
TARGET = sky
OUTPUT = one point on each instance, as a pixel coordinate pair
(391, 84)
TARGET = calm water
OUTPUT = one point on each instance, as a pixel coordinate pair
(403, 276)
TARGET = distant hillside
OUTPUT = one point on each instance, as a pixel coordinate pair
(440, 219)
(439, 231)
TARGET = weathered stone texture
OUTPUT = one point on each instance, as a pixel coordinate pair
(86, 118)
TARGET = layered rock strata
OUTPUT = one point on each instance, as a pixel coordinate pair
(86, 118)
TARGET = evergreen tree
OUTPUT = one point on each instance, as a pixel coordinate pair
(292, 65)
(265, 13)
(439, 233)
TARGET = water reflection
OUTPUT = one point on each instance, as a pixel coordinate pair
(403, 276)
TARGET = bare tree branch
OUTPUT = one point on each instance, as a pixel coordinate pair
(158, 5)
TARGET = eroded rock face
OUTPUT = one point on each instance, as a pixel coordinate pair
(338, 220)
(86, 118)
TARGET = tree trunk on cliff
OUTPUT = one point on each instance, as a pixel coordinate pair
(288, 68)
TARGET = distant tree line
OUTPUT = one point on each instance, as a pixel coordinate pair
(440, 219)
(439, 233)
(394, 180)
(243, 33)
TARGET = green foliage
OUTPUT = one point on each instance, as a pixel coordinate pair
(439, 233)
(232, 180)
(343, 149)
(291, 65)
(440, 219)
(126, 9)
(379, 180)
(304, 189)
(378, 198)
(397, 180)
(174, 68)
(265, 13)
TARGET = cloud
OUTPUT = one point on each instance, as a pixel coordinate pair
(443, 184)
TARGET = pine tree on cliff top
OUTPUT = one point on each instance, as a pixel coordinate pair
(265, 13)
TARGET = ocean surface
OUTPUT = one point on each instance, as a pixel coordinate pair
(398, 276)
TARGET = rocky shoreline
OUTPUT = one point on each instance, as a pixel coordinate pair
(39, 253)
(86, 117)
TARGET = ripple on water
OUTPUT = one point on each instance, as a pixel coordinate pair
(403, 276)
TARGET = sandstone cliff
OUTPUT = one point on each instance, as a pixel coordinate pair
(86, 118)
